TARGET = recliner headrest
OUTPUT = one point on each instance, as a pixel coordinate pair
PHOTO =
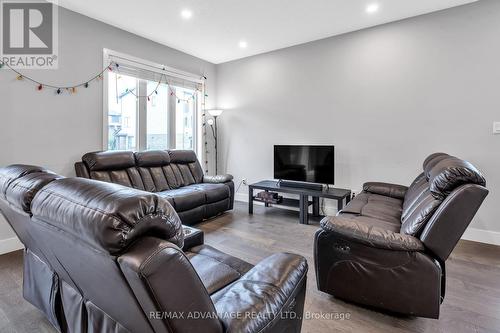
(182, 156)
(152, 158)
(431, 161)
(21, 191)
(109, 160)
(107, 216)
(12, 173)
(450, 173)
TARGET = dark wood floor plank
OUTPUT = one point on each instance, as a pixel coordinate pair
(472, 302)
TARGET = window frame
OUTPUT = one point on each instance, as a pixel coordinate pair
(141, 124)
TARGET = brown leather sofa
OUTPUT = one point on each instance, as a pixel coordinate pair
(103, 257)
(175, 175)
(387, 248)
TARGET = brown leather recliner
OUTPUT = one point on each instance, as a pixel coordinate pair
(387, 248)
(175, 175)
(102, 257)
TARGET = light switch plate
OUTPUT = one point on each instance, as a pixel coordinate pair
(496, 127)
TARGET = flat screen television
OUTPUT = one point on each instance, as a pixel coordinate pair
(310, 164)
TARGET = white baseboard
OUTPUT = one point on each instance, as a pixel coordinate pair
(472, 234)
(482, 236)
(10, 245)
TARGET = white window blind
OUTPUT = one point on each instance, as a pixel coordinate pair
(141, 113)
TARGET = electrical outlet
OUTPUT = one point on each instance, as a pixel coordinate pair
(245, 181)
(496, 127)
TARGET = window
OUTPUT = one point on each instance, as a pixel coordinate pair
(185, 120)
(149, 106)
(122, 112)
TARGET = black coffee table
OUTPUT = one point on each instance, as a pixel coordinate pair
(303, 202)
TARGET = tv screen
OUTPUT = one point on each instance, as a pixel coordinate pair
(312, 164)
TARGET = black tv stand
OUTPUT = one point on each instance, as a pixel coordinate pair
(309, 186)
(304, 193)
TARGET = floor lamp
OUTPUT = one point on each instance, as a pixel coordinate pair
(213, 124)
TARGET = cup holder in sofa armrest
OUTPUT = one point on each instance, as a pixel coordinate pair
(192, 237)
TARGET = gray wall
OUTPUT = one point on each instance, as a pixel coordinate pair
(386, 97)
(54, 131)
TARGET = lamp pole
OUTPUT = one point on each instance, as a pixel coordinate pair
(215, 144)
(213, 124)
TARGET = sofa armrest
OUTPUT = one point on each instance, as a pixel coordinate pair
(266, 294)
(217, 179)
(164, 281)
(81, 170)
(389, 190)
(370, 235)
(192, 237)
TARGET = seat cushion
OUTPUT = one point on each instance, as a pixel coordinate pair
(376, 206)
(373, 222)
(215, 268)
(185, 198)
(213, 192)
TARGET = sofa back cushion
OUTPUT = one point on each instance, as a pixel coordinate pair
(413, 194)
(188, 166)
(442, 175)
(450, 173)
(431, 161)
(152, 171)
(419, 204)
(419, 212)
(109, 160)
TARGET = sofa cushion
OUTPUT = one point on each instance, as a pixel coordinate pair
(213, 192)
(182, 156)
(109, 160)
(15, 171)
(185, 198)
(126, 177)
(419, 213)
(385, 189)
(374, 222)
(450, 173)
(152, 158)
(21, 191)
(431, 161)
(215, 268)
(376, 206)
(370, 232)
(415, 191)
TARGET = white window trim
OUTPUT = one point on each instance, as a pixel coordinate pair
(110, 55)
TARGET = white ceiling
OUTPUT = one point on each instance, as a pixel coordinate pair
(216, 27)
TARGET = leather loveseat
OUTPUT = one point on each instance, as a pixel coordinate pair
(175, 175)
(388, 247)
(102, 257)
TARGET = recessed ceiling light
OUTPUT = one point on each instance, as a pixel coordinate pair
(243, 44)
(372, 8)
(186, 14)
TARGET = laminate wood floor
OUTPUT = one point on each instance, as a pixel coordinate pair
(472, 302)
